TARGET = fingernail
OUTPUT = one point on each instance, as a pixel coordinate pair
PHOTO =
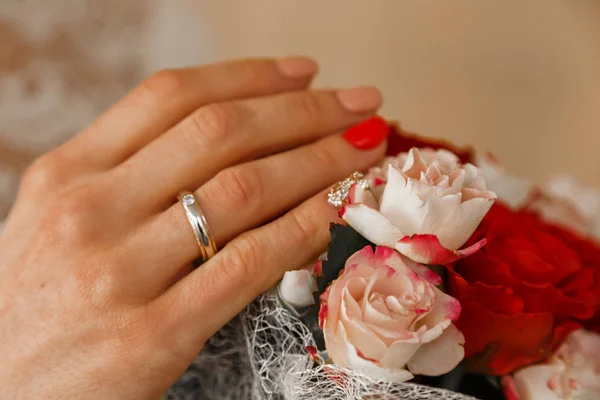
(361, 99)
(368, 134)
(297, 67)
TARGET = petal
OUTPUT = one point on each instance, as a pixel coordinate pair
(531, 383)
(426, 249)
(296, 288)
(445, 306)
(362, 337)
(371, 224)
(424, 272)
(400, 205)
(346, 355)
(453, 220)
(440, 356)
(359, 194)
(399, 353)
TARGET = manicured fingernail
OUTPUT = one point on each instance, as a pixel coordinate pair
(368, 134)
(361, 99)
(297, 67)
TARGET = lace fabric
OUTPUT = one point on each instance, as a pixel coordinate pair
(261, 355)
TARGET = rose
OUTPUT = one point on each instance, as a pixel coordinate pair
(588, 251)
(523, 292)
(565, 202)
(423, 203)
(297, 287)
(384, 317)
(573, 372)
(510, 189)
(401, 141)
(561, 200)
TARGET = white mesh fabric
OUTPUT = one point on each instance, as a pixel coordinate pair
(261, 355)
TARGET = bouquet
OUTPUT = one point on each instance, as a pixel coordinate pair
(448, 275)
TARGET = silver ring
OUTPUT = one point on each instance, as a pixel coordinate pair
(206, 242)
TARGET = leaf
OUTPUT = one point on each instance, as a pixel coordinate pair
(345, 241)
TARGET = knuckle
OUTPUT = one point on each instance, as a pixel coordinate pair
(96, 283)
(71, 215)
(303, 229)
(211, 123)
(308, 104)
(242, 259)
(256, 69)
(163, 84)
(241, 186)
(45, 172)
(326, 157)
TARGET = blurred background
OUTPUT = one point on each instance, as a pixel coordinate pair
(520, 78)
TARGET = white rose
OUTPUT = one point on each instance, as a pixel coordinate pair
(565, 202)
(512, 190)
(384, 317)
(423, 203)
(297, 287)
(572, 373)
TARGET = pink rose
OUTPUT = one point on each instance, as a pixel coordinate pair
(424, 203)
(385, 318)
(573, 372)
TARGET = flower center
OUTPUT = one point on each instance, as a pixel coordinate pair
(409, 299)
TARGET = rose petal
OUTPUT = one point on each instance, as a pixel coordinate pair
(440, 356)
(359, 194)
(371, 224)
(445, 306)
(398, 354)
(426, 249)
(532, 383)
(346, 355)
(424, 272)
(361, 337)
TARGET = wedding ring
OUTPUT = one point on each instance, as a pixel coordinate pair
(206, 242)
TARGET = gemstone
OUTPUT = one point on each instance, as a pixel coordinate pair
(338, 195)
(188, 200)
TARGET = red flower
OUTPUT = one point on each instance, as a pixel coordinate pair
(401, 141)
(525, 291)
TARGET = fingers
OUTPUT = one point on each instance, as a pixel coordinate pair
(218, 136)
(167, 97)
(211, 295)
(243, 197)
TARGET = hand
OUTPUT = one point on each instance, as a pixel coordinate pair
(98, 299)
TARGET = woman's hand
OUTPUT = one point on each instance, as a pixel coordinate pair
(97, 296)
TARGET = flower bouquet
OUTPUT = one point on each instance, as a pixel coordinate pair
(450, 278)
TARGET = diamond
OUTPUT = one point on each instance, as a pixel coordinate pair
(188, 199)
(338, 195)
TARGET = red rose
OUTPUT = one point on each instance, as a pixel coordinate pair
(400, 141)
(530, 286)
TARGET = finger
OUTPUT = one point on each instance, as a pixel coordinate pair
(168, 96)
(244, 197)
(246, 267)
(219, 136)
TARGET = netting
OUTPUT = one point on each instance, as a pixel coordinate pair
(261, 355)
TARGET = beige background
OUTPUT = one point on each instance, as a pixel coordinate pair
(520, 78)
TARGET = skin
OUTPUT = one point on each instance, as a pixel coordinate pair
(97, 296)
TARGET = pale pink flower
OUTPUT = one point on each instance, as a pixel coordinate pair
(572, 373)
(565, 202)
(423, 203)
(385, 318)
